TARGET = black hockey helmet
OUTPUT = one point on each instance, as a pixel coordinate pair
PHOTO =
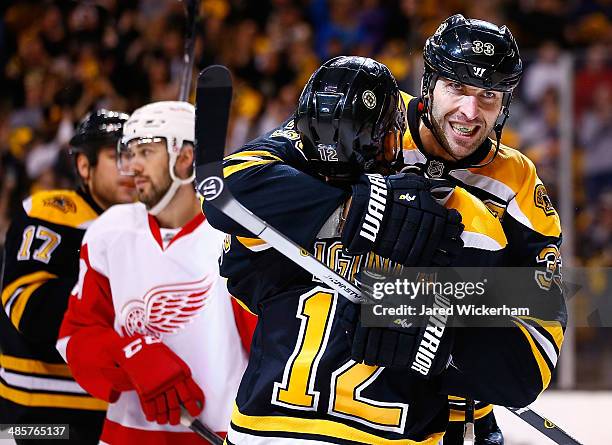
(348, 113)
(100, 128)
(472, 52)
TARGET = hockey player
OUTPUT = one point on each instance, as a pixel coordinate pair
(151, 326)
(307, 379)
(471, 70)
(40, 269)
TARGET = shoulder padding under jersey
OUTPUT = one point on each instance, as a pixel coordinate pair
(482, 229)
(513, 176)
(63, 207)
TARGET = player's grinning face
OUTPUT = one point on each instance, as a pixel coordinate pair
(149, 165)
(463, 116)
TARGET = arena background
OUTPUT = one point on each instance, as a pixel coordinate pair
(59, 59)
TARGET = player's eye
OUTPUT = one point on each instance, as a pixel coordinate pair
(488, 95)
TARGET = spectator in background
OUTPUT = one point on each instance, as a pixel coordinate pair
(83, 55)
(545, 73)
(595, 137)
(596, 70)
(337, 27)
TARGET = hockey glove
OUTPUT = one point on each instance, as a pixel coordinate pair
(161, 379)
(397, 217)
(423, 344)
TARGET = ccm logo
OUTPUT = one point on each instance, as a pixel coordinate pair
(132, 348)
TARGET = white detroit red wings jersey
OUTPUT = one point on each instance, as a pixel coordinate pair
(138, 284)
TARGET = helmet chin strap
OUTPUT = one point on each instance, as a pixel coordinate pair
(174, 186)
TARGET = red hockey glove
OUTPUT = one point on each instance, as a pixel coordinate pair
(161, 379)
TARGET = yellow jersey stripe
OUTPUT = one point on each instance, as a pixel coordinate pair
(320, 427)
(243, 306)
(230, 170)
(544, 369)
(29, 366)
(51, 400)
(554, 328)
(34, 277)
(459, 416)
(252, 153)
(254, 244)
(21, 301)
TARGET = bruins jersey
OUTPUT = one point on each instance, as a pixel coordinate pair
(300, 381)
(41, 267)
(510, 188)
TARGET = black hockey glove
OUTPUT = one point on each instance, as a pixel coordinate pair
(397, 217)
(423, 344)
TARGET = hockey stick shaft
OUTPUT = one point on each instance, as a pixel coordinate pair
(199, 428)
(192, 8)
(543, 425)
(212, 113)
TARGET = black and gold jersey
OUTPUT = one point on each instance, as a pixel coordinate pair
(510, 188)
(41, 267)
(300, 382)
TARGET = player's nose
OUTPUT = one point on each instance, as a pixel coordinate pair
(469, 107)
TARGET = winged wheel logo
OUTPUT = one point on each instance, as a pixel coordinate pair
(166, 309)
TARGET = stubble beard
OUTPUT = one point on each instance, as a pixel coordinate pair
(437, 123)
(151, 197)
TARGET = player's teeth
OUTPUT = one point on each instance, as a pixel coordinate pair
(463, 130)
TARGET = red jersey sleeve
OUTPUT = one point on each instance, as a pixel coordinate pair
(246, 322)
(87, 336)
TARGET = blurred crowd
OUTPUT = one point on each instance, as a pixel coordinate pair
(59, 59)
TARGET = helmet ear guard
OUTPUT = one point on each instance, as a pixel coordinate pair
(344, 115)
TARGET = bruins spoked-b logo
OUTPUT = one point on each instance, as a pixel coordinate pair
(369, 99)
(542, 200)
(62, 203)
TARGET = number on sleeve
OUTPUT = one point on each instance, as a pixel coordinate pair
(50, 241)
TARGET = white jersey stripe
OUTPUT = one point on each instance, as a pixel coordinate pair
(479, 241)
(41, 383)
(485, 183)
(543, 341)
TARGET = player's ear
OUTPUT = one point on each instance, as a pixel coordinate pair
(185, 160)
(83, 167)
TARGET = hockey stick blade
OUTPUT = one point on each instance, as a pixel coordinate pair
(545, 426)
(213, 100)
(199, 428)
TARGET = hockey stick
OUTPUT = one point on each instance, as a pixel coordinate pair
(213, 102)
(543, 425)
(199, 428)
(192, 7)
